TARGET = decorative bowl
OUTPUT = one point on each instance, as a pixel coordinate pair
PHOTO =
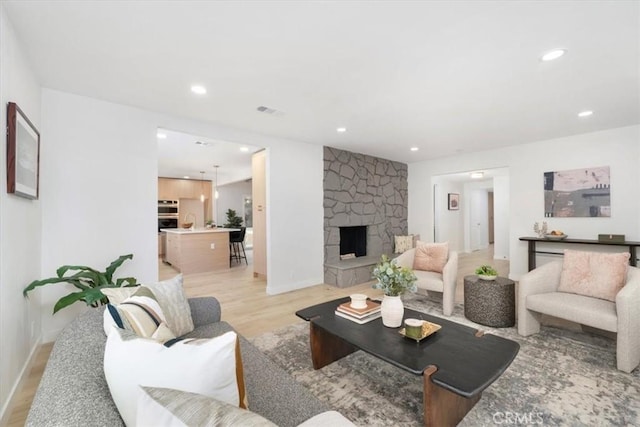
(555, 236)
(187, 225)
(487, 277)
(428, 328)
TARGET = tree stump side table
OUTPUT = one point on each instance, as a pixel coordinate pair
(490, 302)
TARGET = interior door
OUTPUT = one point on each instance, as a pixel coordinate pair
(490, 211)
(478, 220)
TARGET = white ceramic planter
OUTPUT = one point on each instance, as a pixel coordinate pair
(392, 311)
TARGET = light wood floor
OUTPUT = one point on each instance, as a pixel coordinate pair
(249, 309)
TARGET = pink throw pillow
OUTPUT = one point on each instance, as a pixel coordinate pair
(594, 274)
(431, 256)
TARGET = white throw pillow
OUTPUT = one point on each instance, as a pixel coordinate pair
(173, 300)
(167, 407)
(204, 366)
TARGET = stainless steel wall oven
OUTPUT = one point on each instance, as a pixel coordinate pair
(167, 214)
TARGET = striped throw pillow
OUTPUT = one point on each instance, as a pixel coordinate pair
(141, 314)
(164, 407)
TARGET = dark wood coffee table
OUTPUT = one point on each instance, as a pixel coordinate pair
(457, 362)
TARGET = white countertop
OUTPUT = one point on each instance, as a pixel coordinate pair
(198, 230)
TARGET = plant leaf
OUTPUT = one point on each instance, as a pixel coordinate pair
(131, 281)
(94, 296)
(37, 283)
(68, 300)
(114, 266)
(62, 270)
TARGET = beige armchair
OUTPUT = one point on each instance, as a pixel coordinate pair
(537, 295)
(444, 282)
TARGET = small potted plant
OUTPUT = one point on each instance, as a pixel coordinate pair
(88, 281)
(486, 272)
(233, 220)
(394, 281)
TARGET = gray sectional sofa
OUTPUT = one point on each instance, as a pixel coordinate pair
(73, 390)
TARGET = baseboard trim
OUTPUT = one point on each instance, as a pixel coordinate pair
(17, 387)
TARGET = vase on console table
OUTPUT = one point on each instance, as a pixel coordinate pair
(392, 310)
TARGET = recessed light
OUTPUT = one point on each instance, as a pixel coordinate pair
(198, 90)
(244, 149)
(553, 54)
(476, 175)
(414, 148)
(341, 130)
(585, 113)
(161, 135)
(186, 177)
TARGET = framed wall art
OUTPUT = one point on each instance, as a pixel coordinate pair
(578, 193)
(23, 154)
(453, 201)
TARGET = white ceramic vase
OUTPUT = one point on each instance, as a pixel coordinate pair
(392, 311)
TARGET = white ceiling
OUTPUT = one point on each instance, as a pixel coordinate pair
(179, 155)
(446, 77)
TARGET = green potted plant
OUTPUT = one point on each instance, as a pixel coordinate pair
(394, 281)
(88, 280)
(233, 220)
(486, 272)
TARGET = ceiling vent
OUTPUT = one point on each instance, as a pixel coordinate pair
(269, 110)
(204, 144)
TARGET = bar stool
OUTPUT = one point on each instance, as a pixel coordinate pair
(236, 244)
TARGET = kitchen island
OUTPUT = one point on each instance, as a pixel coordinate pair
(200, 250)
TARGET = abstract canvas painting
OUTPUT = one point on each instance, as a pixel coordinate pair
(578, 193)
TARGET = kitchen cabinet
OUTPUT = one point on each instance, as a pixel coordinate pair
(162, 238)
(198, 251)
(172, 250)
(176, 189)
(259, 194)
(168, 189)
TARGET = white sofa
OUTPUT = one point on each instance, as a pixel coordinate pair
(537, 295)
(444, 282)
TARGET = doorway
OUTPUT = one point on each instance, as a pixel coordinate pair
(483, 216)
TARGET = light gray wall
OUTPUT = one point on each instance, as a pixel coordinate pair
(231, 196)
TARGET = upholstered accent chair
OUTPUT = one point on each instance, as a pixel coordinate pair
(538, 294)
(444, 282)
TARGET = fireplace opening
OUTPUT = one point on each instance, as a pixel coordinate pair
(353, 240)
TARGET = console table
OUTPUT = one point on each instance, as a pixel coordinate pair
(533, 240)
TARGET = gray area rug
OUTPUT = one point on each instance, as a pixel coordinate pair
(559, 377)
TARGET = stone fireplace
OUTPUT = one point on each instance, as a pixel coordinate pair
(361, 191)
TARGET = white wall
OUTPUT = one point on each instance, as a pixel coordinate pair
(449, 224)
(232, 197)
(20, 227)
(501, 214)
(617, 148)
(100, 168)
(295, 217)
(99, 192)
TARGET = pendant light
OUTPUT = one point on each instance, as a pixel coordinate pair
(216, 187)
(202, 186)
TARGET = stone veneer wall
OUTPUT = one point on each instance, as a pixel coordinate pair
(363, 190)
